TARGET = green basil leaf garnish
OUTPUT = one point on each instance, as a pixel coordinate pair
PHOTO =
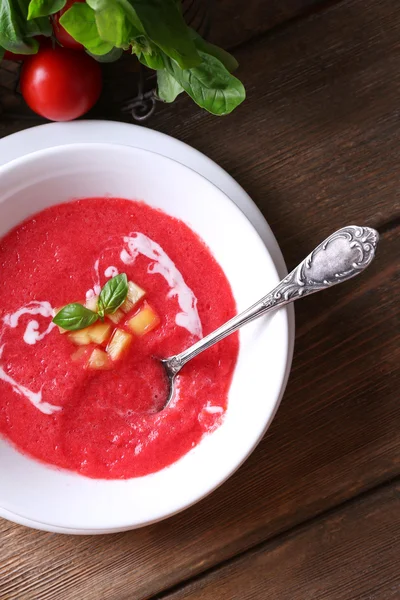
(230, 63)
(210, 84)
(168, 87)
(162, 22)
(44, 8)
(113, 294)
(75, 316)
(80, 22)
(17, 33)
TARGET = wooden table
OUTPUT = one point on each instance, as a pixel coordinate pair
(315, 511)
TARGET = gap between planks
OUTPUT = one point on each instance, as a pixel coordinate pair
(307, 13)
(276, 539)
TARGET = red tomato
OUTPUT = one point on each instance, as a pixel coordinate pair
(60, 84)
(60, 33)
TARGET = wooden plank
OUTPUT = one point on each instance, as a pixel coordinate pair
(351, 554)
(317, 146)
(336, 434)
(319, 133)
(235, 22)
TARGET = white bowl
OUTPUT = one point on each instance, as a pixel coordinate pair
(58, 498)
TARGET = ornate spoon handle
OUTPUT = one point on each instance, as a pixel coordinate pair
(343, 255)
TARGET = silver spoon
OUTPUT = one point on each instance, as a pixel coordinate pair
(343, 255)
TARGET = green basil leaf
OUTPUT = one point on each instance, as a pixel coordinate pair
(151, 57)
(20, 46)
(15, 31)
(126, 6)
(33, 27)
(229, 61)
(163, 23)
(210, 84)
(168, 87)
(75, 316)
(80, 22)
(113, 294)
(110, 57)
(44, 8)
(122, 21)
(114, 26)
(40, 26)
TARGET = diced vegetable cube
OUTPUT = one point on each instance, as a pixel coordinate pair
(145, 320)
(135, 294)
(119, 344)
(100, 333)
(80, 337)
(91, 303)
(81, 355)
(99, 360)
(116, 317)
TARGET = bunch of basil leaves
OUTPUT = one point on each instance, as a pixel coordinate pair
(154, 30)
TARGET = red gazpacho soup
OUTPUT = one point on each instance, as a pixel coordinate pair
(88, 398)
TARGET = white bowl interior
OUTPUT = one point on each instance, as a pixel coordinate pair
(63, 499)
